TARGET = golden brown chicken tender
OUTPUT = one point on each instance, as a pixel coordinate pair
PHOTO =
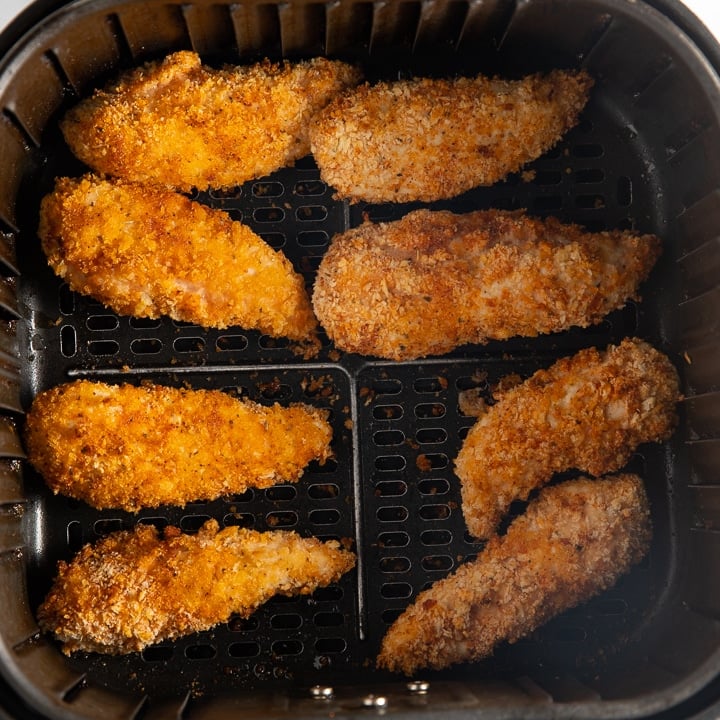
(180, 124)
(587, 412)
(573, 542)
(429, 139)
(121, 446)
(432, 281)
(161, 588)
(149, 252)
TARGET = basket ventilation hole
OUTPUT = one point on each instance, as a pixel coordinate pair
(146, 346)
(102, 322)
(229, 343)
(287, 647)
(244, 650)
(437, 563)
(430, 385)
(103, 348)
(390, 463)
(393, 591)
(391, 488)
(268, 189)
(271, 343)
(436, 537)
(243, 520)
(323, 491)
(435, 512)
(192, 523)
(289, 621)
(311, 213)
(394, 539)
(328, 619)
(281, 493)
(388, 438)
(330, 646)
(431, 461)
(68, 341)
(239, 624)
(434, 487)
(430, 410)
(268, 215)
(324, 517)
(431, 436)
(286, 518)
(394, 564)
(394, 513)
(200, 652)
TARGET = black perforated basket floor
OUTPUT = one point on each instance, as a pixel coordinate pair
(397, 428)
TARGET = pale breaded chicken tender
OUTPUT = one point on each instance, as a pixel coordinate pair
(161, 588)
(181, 124)
(587, 412)
(429, 139)
(573, 542)
(121, 446)
(149, 252)
(432, 281)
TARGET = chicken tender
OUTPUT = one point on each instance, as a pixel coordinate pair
(149, 252)
(180, 124)
(573, 542)
(587, 412)
(121, 446)
(432, 281)
(430, 139)
(161, 588)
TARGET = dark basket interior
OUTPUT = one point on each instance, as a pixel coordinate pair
(644, 156)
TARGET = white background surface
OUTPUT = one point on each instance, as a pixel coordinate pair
(707, 10)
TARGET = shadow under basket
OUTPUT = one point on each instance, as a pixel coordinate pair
(645, 156)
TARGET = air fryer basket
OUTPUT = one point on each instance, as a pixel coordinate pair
(644, 156)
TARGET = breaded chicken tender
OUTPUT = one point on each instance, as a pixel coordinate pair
(184, 125)
(149, 252)
(429, 139)
(573, 542)
(587, 412)
(161, 588)
(121, 446)
(432, 281)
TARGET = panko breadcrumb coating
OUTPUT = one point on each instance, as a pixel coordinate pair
(573, 542)
(149, 252)
(121, 446)
(428, 139)
(181, 124)
(161, 588)
(432, 281)
(587, 412)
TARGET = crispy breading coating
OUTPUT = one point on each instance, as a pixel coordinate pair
(149, 252)
(181, 124)
(433, 280)
(161, 588)
(573, 542)
(587, 412)
(428, 139)
(121, 446)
